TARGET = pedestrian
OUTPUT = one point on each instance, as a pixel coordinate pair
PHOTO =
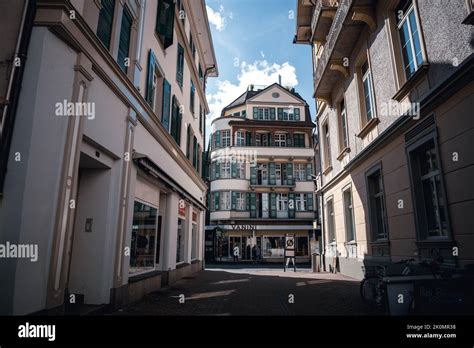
(236, 253)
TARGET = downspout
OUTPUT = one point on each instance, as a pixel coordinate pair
(14, 86)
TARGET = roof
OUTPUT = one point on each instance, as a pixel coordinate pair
(242, 99)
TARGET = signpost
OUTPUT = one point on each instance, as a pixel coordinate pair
(289, 251)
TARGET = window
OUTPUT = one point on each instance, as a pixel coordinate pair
(327, 143)
(263, 114)
(240, 169)
(300, 171)
(430, 205)
(165, 22)
(282, 202)
(191, 98)
(145, 238)
(240, 201)
(298, 140)
(344, 138)
(180, 66)
(188, 141)
(273, 246)
(106, 19)
(280, 139)
(123, 58)
(409, 37)
(180, 241)
(176, 121)
(224, 200)
(258, 139)
(192, 45)
(194, 239)
(301, 246)
(200, 119)
(330, 220)
(201, 76)
(289, 114)
(240, 138)
(368, 92)
(195, 152)
(300, 201)
(377, 205)
(225, 138)
(244, 113)
(349, 215)
(225, 170)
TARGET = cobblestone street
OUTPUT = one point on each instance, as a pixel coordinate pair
(255, 291)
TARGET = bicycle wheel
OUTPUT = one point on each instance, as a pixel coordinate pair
(368, 290)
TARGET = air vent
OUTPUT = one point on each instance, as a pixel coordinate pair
(420, 128)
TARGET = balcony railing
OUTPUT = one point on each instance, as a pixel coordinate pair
(320, 6)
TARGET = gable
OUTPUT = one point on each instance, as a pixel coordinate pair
(285, 96)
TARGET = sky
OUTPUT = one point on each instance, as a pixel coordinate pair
(253, 41)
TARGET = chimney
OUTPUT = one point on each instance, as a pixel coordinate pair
(279, 80)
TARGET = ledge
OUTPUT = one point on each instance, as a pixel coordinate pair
(343, 152)
(368, 127)
(411, 82)
(327, 170)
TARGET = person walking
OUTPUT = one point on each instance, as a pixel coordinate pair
(236, 253)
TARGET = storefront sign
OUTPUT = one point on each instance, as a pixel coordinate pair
(244, 227)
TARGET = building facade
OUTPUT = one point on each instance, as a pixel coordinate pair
(394, 93)
(103, 172)
(261, 176)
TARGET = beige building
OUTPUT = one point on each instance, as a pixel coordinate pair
(103, 170)
(261, 183)
(394, 93)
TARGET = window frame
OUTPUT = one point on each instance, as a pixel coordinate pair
(343, 129)
(227, 204)
(240, 138)
(374, 235)
(225, 139)
(331, 221)
(345, 190)
(280, 139)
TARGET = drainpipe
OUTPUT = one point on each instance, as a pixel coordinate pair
(14, 86)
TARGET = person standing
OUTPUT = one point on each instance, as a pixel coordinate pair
(236, 253)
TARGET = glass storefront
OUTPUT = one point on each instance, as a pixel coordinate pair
(180, 241)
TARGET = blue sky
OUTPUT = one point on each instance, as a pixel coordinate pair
(253, 44)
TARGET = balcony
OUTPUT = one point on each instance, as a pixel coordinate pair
(323, 16)
(349, 21)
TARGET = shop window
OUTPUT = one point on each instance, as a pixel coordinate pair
(273, 247)
(145, 238)
(180, 241)
(302, 246)
(194, 237)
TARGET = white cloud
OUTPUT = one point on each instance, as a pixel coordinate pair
(258, 73)
(217, 18)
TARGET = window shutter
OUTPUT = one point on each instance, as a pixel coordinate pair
(272, 113)
(289, 171)
(289, 139)
(291, 205)
(165, 117)
(255, 113)
(297, 114)
(273, 208)
(106, 19)
(309, 171)
(180, 65)
(309, 202)
(178, 135)
(253, 205)
(247, 200)
(280, 114)
(253, 175)
(174, 119)
(149, 84)
(270, 139)
(125, 36)
(234, 169)
(248, 136)
(216, 201)
(234, 200)
(272, 173)
(165, 21)
(218, 139)
(195, 152)
(188, 142)
(217, 168)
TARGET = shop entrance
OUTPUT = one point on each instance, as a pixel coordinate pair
(247, 247)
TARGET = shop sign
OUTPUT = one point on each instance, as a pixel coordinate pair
(244, 227)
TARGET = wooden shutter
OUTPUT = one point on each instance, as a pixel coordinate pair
(195, 152)
(255, 113)
(309, 202)
(273, 208)
(289, 173)
(291, 205)
(124, 43)
(297, 114)
(188, 142)
(270, 139)
(234, 201)
(174, 118)
(253, 175)
(248, 138)
(218, 139)
(149, 83)
(165, 116)
(106, 19)
(217, 170)
(253, 205)
(180, 65)
(272, 173)
(233, 165)
(247, 201)
(272, 113)
(309, 171)
(289, 140)
(178, 135)
(280, 114)
(216, 201)
(165, 21)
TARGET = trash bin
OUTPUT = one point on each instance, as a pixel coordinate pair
(315, 263)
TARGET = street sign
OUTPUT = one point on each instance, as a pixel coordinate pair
(289, 251)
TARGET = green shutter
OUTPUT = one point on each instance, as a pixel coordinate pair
(234, 200)
(248, 138)
(291, 205)
(216, 201)
(165, 21)
(180, 65)
(125, 36)
(273, 208)
(217, 170)
(309, 171)
(280, 114)
(106, 19)
(178, 135)
(247, 201)
(270, 139)
(174, 119)
(297, 114)
(165, 117)
(253, 175)
(149, 83)
(233, 165)
(289, 139)
(195, 153)
(218, 139)
(272, 113)
(255, 112)
(309, 202)
(289, 171)
(272, 173)
(188, 141)
(253, 205)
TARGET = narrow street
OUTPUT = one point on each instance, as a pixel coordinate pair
(228, 290)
